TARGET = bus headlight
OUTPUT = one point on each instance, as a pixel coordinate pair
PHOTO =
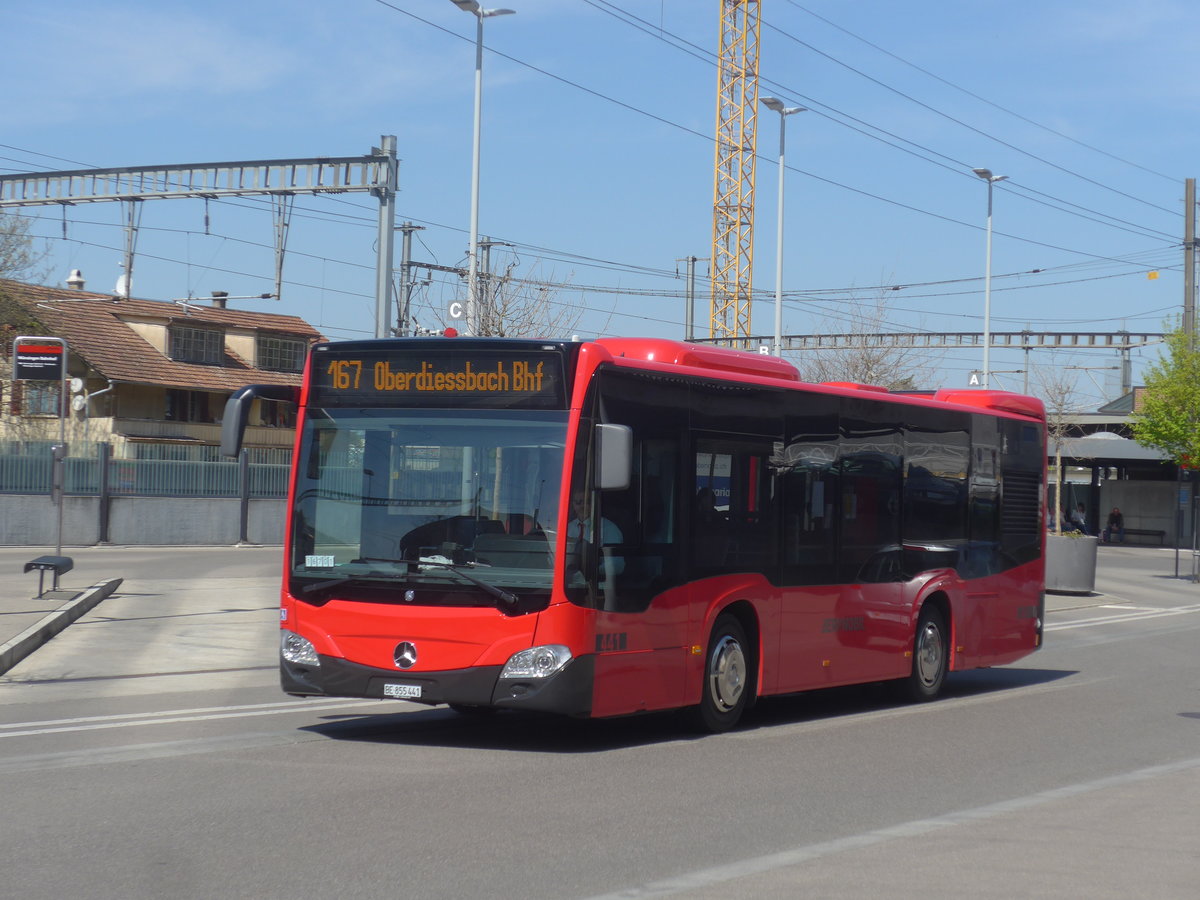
(537, 662)
(296, 649)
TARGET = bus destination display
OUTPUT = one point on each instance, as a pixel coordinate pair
(477, 378)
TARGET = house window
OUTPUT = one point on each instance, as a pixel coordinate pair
(189, 406)
(277, 415)
(41, 398)
(281, 354)
(197, 345)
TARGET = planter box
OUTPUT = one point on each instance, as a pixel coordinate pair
(1071, 564)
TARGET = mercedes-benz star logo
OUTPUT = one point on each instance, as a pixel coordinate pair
(405, 655)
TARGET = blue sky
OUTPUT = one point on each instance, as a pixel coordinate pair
(598, 154)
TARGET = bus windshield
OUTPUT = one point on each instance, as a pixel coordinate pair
(426, 506)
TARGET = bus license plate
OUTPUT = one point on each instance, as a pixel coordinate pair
(402, 691)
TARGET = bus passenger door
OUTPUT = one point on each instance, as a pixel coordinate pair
(733, 526)
(808, 571)
(870, 625)
(640, 598)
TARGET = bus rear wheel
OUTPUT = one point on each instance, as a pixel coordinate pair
(728, 677)
(931, 656)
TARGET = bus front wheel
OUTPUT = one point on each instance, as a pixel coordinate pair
(728, 680)
(931, 656)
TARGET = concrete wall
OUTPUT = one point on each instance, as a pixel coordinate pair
(31, 521)
(1145, 504)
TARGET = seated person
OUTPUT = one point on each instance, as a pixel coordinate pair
(579, 532)
(1115, 529)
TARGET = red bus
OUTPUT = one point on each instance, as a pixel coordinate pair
(624, 525)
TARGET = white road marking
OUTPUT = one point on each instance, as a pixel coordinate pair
(731, 872)
(1131, 616)
(166, 717)
(943, 705)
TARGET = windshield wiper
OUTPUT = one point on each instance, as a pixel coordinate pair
(331, 583)
(510, 600)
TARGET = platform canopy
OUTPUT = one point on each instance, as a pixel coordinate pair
(1106, 448)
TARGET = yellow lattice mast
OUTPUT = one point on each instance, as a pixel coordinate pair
(733, 193)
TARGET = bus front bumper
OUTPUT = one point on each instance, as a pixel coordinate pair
(568, 692)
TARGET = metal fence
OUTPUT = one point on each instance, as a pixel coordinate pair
(26, 467)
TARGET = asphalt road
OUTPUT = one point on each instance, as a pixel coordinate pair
(147, 752)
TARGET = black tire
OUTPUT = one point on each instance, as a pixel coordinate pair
(931, 656)
(728, 677)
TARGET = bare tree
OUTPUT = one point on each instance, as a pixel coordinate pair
(1058, 391)
(867, 359)
(19, 259)
(514, 306)
(524, 307)
(16, 319)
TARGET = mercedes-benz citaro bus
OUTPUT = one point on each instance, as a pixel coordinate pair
(622, 525)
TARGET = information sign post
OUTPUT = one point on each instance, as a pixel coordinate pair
(39, 359)
(45, 359)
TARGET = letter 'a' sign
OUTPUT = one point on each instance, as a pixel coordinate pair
(39, 359)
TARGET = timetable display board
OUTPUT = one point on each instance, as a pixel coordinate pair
(437, 377)
(39, 359)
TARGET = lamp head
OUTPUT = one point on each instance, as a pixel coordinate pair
(776, 105)
(986, 175)
(473, 7)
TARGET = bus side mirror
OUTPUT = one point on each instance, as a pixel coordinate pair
(614, 457)
(237, 411)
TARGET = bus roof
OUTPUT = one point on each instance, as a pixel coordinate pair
(712, 359)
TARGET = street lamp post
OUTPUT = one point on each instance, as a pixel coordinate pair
(986, 175)
(776, 105)
(472, 310)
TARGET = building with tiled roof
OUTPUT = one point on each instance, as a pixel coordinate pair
(147, 371)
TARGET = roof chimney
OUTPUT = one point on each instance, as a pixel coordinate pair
(218, 299)
(75, 280)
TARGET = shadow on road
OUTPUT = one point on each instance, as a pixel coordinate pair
(535, 733)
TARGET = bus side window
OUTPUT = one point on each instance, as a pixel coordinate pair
(869, 456)
(809, 485)
(733, 506)
(645, 515)
(647, 512)
(937, 459)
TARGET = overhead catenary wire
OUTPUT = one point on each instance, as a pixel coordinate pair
(970, 225)
(701, 53)
(710, 138)
(982, 99)
(1136, 267)
(579, 258)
